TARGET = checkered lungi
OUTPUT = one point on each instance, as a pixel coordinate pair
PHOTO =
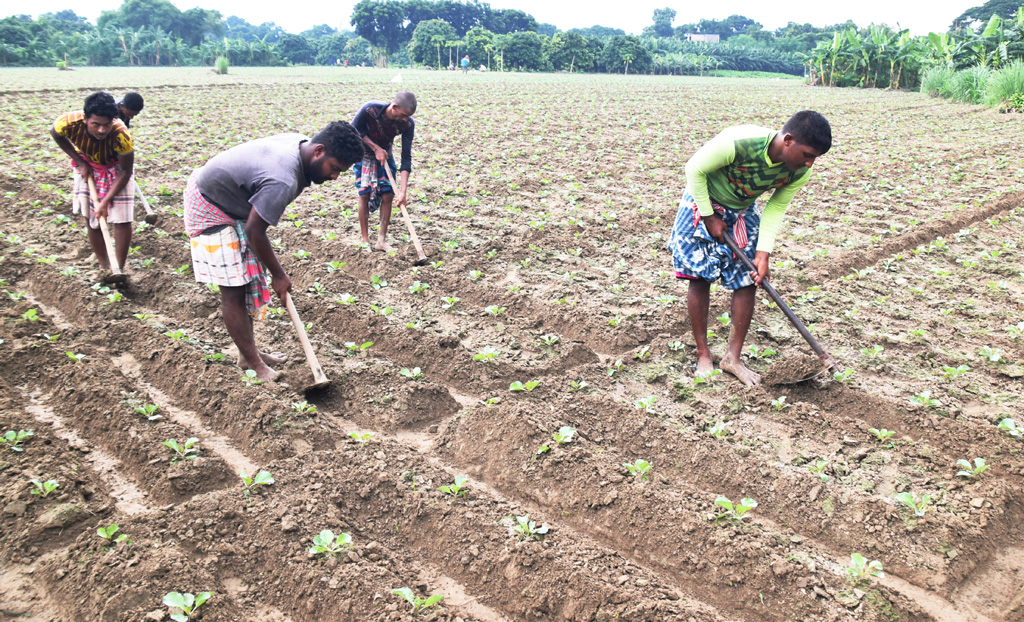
(122, 208)
(697, 255)
(372, 180)
(220, 251)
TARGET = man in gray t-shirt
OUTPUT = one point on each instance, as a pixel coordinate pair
(230, 202)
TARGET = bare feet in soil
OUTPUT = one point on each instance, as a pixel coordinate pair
(384, 246)
(738, 369)
(705, 365)
(266, 374)
(269, 358)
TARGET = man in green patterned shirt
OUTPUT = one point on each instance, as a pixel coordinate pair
(723, 180)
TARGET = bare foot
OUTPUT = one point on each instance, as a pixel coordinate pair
(738, 369)
(704, 365)
(271, 358)
(265, 373)
(384, 246)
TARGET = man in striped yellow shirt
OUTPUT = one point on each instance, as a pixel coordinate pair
(723, 181)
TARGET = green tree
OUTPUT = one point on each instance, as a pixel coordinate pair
(295, 49)
(663, 22)
(380, 23)
(625, 52)
(428, 39)
(570, 51)
(525, 51)
(479, 44)
(976, 16)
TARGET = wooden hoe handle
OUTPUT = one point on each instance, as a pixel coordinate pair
(319, 377)
(111, 256)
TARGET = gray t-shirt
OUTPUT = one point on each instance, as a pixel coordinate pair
(265, 174)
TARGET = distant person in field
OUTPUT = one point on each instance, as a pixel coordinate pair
(230, 202)
(101, 149)
(723, 180)
(128, 107)
(378, 124)
(465, 64)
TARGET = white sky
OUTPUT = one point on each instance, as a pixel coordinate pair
(920, 17)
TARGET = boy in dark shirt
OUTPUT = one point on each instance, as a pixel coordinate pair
(378, 123)
(128, 107)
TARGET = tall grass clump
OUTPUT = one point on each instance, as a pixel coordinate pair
(933, 80)
(222, 65)
(1006, 87)
(968, 85)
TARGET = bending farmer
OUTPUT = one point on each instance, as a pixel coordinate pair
(230, 202)
(378, 124)
(101, 149)
(723, 180)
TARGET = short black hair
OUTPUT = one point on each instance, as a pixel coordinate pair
(406, 101)
(100, 104)
(810, 128)
(132, 101)
(342, 141)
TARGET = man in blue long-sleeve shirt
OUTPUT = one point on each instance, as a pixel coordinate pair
(378, 123)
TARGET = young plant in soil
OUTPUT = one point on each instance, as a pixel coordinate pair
(418, 288)
(107, 533)
(249, 484)
(303, 408)
(524, 386)
(638, 469)
(76, 357)
(706, 377)
(12, 440)
(860, 568)
(969, 470)
(43, 489)
(550, 340)
(1010, 427)
(527, 529)
(419, 605)
(737, 511)
(185, 451)
(719, 430)
(919, 507)
(326, 542)
(818, 468)
(187, 604)
(955, 372)
(494, 310)
(347, 299)
(456, 489)
(924, 398)
(646, 404)
(780, 403)
(449, 302)
(487, 354)
(354, 348)
(149, 411)
(361, 438)
(411, 374)
(881, 435)
(578, 385)
(564, 435)
(249, 378)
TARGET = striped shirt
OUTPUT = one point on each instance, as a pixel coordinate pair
(103, 152)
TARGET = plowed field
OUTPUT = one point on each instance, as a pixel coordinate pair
(544, 203)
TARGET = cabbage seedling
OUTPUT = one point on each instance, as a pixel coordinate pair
(860, 568)
(336, 266)
(757, 354)
(642, 353)
(780, 403)
(924, 398)
(250, 379)
(487, 354)
(638, 469)
(616, 368)
(149, 411)
(737, 511)
(184, 451)
(326, 542)
(1010, 427)
(76, 357)
(565, 434)
(108, 535)
(262, 478)
(186, 603)
(418, 604)
(354, 348)
(43, 489)
(418, 287)
(994, 355)
(347, 299)
(646, 404)
(818, 468)
(449, 301)
(719, 430)
(881, 435)
(377, 282)
(303, 407)
(550, 340)
(968, 470)
(475, 275)
(704, 378)
(524, 386)
(578, 385)
(495, 310)
(32, 315)
(12, 439)
(953, 372)
(676, 346)
(361, 438)
(528, 529)
(456, 489)
(919, 507)
(842, 376)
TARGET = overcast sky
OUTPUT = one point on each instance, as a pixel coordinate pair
(631, 16)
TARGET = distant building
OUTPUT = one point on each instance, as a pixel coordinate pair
(702, 38)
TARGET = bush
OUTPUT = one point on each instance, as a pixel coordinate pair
(222, 65)
(1006, 87)
(967, 86)
(63, 66)
(933, 80)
